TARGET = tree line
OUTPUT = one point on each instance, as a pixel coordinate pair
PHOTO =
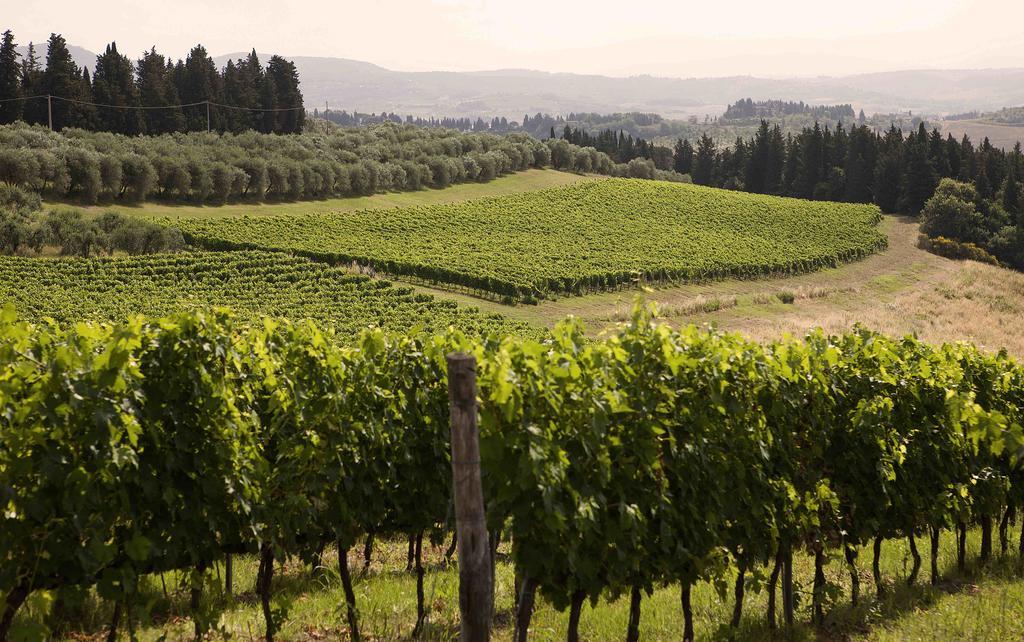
(748, 108)
(620, 146)
(145, 96)
(898, 172)
(648, 458)
(215, 168)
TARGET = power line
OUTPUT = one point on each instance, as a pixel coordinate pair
(154, 107)
(209, 103)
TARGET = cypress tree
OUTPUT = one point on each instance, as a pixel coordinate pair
(268, 100)
(156, 89)
(859, 165)
(704, 161)
(937, 155)
(682, 157)
(63, 79)
(755, 176)
(198, 82)
(1011, 194)
(34, 111)
(113, 83)
(10, 81)
(918, 180)
(953, 152)
(286, 85)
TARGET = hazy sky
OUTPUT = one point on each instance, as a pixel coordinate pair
(659, 37)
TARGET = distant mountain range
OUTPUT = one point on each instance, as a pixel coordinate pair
(355, 85)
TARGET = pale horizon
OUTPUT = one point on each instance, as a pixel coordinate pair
(666, 40)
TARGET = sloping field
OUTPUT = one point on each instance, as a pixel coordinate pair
(252, 284)
(900, 290)
(572, 240)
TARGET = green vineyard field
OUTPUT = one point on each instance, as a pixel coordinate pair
(253, 284)
(572, 240)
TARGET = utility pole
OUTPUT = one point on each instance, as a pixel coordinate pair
(207, 116)
(49, 110)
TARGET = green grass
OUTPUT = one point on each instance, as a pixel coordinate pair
(982, 604)
(253, 284)
(586, 237)
(526, 181)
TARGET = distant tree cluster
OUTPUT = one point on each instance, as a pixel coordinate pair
(620, 146)
(899, 173)
(213, 168)
(143, 97)
(748, 108)
(26, 229)
(496, 125)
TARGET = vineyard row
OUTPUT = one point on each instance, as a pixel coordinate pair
(649, 457)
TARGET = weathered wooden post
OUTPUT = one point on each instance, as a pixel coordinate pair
(470, 521)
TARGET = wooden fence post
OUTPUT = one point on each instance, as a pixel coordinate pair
(470, 521)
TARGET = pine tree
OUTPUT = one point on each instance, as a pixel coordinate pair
(10, 81)
(113, 83)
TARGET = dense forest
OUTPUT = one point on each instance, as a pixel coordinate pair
(214, 168)
(151, 95)
(899, 173)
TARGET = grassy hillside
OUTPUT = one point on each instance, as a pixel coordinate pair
(253, 284)
(585, 237)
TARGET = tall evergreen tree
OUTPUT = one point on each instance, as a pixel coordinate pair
(198, 82)
(10, 80)
(63, 79)
(918, 181)
(156, 88)
(289, 98)
(34, 111)
(704, 161)
(953, 152)
(1011, 194)
(113, 83)
(811, 162)
(859, 165)
(968, 161)
(938, 155)
(243, 80)
(268, 101)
